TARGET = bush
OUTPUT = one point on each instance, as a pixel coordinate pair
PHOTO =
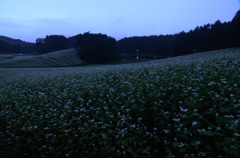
(97, 48)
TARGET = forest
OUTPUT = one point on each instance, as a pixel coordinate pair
(202, 38)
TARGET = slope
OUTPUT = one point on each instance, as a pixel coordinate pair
(60, 58)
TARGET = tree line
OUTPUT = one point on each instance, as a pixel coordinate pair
(51, 43)
(202, 38)
(208, 37)
(100, 48)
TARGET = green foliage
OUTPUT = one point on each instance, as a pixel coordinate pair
(97, 48)
(181, 107)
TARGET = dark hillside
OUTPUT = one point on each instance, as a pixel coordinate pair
(9, 46)
(15, 41)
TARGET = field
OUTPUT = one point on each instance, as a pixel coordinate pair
(186, 106)
(60, 58)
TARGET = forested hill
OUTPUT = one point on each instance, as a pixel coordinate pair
(15, 41)
(208, 37)
(9, 45)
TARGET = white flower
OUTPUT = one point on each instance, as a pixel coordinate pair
(194, 123)
(181, 145)
(166, 131)
(202, 154)
(183, 110)
(236, 134)
(176, 120)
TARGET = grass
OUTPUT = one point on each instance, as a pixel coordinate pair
(60, 58)
(184, 106)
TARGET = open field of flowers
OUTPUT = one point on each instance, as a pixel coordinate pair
(185, 106)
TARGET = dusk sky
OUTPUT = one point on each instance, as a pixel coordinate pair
(30, 19)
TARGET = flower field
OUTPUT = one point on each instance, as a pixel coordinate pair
(186, 106)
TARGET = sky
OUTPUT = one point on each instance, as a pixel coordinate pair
(31, 19)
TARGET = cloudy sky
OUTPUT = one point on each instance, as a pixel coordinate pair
(30, 19)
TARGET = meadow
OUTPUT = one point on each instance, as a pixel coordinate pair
(62, 58)
(187, 106)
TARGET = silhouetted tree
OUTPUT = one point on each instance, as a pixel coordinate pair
(235, 29)
(51, 43)
(97, 48)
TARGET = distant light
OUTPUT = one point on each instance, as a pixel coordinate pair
(137, 58)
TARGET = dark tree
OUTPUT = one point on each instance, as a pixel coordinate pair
(235, 29)
(51, 43)
(97, 48)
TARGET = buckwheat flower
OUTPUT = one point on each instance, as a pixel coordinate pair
(46, 128)
(75, 110)
(236, 134)
(218, 128)
(202, 154)
(23, 128)
(236, 122)
(176, 120)
(211, 83)
(194, 123)
(44, 146)
(66, 131)
(183, 110)
(181, 145)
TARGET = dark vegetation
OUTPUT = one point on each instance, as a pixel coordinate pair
(208, 37)
(51, 43)
(13, 46)
(99, 48)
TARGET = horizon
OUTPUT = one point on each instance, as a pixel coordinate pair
(28, 21)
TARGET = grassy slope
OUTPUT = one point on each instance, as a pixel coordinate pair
(60, 58)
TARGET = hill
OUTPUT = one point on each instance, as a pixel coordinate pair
(15, 41)
(9, 46)
(60, 58)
